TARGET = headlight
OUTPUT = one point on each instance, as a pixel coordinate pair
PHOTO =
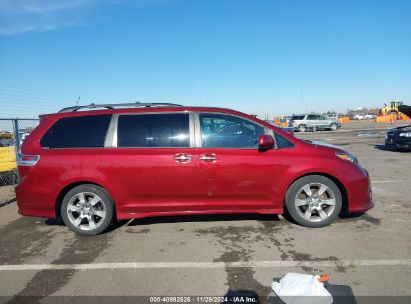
(406, 134)
(347, 156)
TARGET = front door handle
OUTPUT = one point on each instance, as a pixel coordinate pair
(208, 157)
(183, 158)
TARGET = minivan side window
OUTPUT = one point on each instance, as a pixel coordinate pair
(153, 131)
(77, 132)
(227, 131)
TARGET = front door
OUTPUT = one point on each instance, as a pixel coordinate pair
(234, 174)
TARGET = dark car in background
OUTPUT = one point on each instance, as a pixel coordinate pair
(400, 138)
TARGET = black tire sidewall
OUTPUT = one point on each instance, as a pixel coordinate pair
(102, 193)
(297, 185)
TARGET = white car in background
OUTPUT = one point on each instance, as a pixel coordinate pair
(370, 116)
(303, 122)
(360, 117)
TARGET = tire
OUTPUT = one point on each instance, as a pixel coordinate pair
(87, 209)
(334, 127)
(313, 211)
(302, 128)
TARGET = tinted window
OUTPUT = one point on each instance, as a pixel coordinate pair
(282, 142)
(153, 130)
(77, 132)
(297, 117)
(226, 131)
(312, 117)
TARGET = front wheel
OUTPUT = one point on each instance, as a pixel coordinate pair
(313, 201)
(302, 128)
(334, 127)
(87, 210)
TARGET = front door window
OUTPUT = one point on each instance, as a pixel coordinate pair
(227, 131)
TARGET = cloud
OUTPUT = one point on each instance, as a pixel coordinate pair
(46, 6)
(22, 16)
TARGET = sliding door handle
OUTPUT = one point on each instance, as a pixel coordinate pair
(208, 157)
(183, 158)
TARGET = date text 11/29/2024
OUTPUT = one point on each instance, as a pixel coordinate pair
(205, 299)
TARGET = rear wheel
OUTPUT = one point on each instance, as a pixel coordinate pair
(313, 201)
(87, 210)
(302, 128)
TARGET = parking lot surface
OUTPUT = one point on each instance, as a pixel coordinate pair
(210, 255)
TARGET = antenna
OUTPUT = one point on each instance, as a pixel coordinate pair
(78, 99)
(305, 104)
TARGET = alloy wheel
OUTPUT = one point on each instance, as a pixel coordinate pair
(315, 202)
(86, 211)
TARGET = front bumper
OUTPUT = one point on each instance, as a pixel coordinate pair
(393, 140)
(404, 143)
(360, 194)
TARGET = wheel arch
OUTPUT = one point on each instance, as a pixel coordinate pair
(340, 185)
(70, 186)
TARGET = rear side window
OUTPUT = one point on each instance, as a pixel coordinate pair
(297, 117)
(77, 132)
(153, 130)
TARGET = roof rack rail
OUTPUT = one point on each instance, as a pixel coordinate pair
(115, 105)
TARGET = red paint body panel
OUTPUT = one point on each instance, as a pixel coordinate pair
(237, 180)
(149, 182)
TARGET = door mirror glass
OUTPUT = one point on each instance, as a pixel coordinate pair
(266, 142)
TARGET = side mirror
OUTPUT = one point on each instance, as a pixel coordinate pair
(266, 142)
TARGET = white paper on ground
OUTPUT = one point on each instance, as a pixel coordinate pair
(297, 288)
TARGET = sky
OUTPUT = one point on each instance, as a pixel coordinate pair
(261, 57)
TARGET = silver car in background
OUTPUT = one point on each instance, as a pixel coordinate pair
(303, 122)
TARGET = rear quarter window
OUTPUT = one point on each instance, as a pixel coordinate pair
(77, 132)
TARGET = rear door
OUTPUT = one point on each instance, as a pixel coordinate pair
(150, 161)
(323, 122)
(312, 121)
(233, 173)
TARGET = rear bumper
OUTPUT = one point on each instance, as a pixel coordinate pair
(32, 201)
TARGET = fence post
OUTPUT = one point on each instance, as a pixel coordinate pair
(16, 141)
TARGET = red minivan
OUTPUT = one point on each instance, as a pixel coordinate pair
(92, 165)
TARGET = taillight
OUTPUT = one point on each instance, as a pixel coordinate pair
(27, 160)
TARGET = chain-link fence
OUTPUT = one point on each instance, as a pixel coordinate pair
(13, 131)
